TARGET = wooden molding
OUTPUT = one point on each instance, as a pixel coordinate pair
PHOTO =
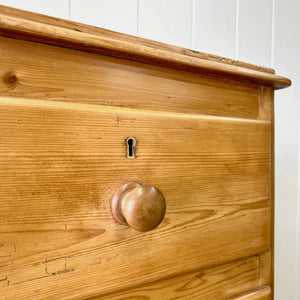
(30, 29)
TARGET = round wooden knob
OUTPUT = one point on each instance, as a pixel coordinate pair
(142, 207)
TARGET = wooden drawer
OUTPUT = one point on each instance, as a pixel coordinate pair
(62, 162)
(81, 77)
(203, 137)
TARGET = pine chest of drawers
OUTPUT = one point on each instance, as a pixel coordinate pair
(131, 169)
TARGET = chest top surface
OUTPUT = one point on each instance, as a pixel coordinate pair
(49, 30)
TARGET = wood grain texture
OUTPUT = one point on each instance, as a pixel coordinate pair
(221, 282)
(52, 34)
(263, 293)
(269, 100)
(75, 76)
(142, 207)
(124, 37)
(266, 103)
(272, 191)
(266, 268)
(60, 164)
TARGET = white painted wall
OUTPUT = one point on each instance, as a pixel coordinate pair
(264, 32)
(285, 59)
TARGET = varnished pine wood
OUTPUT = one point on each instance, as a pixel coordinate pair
(265, 103)
(270, 98)
(124, 37)
(262, 293)
(142, 207)
(53, 34)
(265, 270)
(76, 76)
(61, 163)
(204, 136)
(221, 282)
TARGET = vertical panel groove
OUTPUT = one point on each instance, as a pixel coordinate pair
(273, 33)
(166, 21)
(193, 29)
(69, 12)
(138, 17)
(254, 31)
(298, 227)
(286, 47)
(215, 27)
(237, 30)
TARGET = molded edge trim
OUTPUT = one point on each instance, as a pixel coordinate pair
(36, 31)
(261, 293)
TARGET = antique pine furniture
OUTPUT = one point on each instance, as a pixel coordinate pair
(104, 136)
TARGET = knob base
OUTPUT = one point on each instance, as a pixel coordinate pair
(116, 204)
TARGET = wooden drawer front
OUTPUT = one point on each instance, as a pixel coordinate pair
(61, 163)
(233, 280)
(75, 76)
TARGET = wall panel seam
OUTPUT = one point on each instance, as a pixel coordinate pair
(297, 262)
(273, 34)
(237, 30)
(193, 29)
(137, 17)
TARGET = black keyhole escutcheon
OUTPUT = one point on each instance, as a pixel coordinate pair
(130, 143)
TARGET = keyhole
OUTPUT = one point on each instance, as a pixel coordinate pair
(131, 142)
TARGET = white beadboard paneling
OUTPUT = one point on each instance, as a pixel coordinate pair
(297, 262)
(255, 31)
(168, 21)
(215, 27)
(118, 15)
(287, 129)
(55, 8)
